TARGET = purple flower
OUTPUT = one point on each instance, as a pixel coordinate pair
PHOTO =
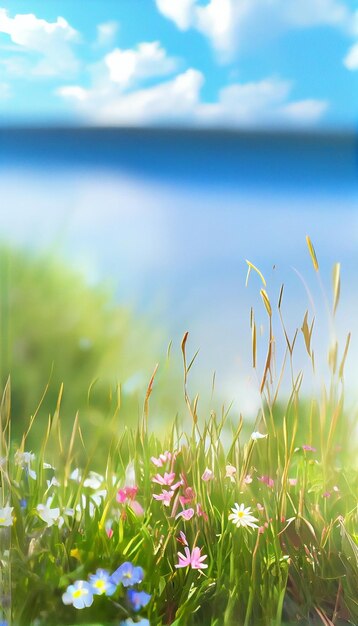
(309, 448)
(138, 599)
(127, 574)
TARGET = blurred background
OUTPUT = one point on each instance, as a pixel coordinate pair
(141, 163)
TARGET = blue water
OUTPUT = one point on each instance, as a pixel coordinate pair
(303, 162)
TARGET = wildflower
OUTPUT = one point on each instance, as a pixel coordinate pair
(230, 472)
(179, 483)
(267, 481)
(260, 508)
(162, 459)
(24, 460)
(127, 493)
(309, 448)
(248, 479)
(242, 516)
(130, 478)
(200, 512)
(94, 480)
(101, 583)
(165, 496)
(188, 496)
(128, 575)
(207, 475)
(256, 435)
(187, 514)
(52, 483)
(192, 559)
(6, 518)
(292, 482)
(108, 528)
(76, 475)
(138, 599)
(182, 539)
(79, 594)
(167, 479)
(326, 494)
(48, 515)
(336, 488)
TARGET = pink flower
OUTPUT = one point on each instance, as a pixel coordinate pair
(162, 459)
(247, 479)
(167, 479)
(207, 475)
(292, 482)
(127, 493)
(192, 559)
(182, 539)
(309, 448)
(188, 496)
(165, 496)
(200, 512)
(260, 508)
(109, 533)
(187, 514)
(176, 485)
(267, 481)
(326, 494)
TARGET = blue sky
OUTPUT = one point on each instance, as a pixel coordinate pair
(232, 63)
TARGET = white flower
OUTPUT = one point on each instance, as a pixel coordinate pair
(94, 480)
(230, 472)
(52, 483)
(208, 475)
(6, 518)
(24, 460)
(76, 475)
(48, 515)
(242, 516)
(256, 435)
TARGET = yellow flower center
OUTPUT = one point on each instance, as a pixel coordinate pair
(240, 513)
(2, 520)
(79, 593)
(100, 585)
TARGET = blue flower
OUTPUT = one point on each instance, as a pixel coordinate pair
(129, 622)
(138, 599)
(101, 583)
(79, 594)
(128, 575)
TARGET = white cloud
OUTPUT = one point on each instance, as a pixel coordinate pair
(256, 104)
(51, 42)
(148, 59)
(230, 24)
(305, 111)
(351, 59)
(179, 11)
(170, 101)
(106, 33)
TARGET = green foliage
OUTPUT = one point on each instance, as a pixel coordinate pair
(55, 329)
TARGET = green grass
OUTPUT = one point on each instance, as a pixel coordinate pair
(300, 568)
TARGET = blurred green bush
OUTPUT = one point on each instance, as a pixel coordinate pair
(55, 327)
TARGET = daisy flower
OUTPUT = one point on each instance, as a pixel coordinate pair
(242, 516)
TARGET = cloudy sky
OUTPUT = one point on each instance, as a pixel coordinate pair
(236, 63)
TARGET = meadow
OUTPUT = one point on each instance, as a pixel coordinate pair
(214, 520)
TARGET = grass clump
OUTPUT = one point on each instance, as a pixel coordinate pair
(220, 525)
